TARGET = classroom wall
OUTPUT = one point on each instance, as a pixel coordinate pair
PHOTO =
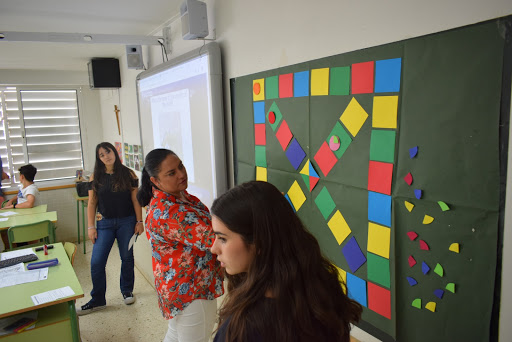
(262, 35)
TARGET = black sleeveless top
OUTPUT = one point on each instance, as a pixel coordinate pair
(114, 204)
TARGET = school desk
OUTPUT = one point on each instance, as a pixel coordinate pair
(83, 201)
(17, 220)
(56, 320)
(35, 210)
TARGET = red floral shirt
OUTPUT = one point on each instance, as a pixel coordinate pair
(181, 236)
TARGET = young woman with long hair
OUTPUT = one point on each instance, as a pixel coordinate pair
(113, 213)
(280, 287)
(188, 278)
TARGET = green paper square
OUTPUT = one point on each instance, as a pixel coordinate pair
(325, 203)
(382, 146)
(345, 139)
(271, 87)
(378, 269)
(274, 108)
(260, 156)
(340, 81)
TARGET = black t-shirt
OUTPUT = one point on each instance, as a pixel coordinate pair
(114, 204)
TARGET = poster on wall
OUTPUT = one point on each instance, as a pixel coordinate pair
(391, 157)
(119, 150)
(133, 154)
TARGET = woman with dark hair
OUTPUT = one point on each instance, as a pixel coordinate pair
(112, 193)
(188, 277)
(280, 287)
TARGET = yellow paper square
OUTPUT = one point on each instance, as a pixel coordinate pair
(296, 196)
(261, 173)
(261, 95)
(379, 239)
(354, 117)
(339, 227)
(385, 110)
(320, 82)
(343, 275)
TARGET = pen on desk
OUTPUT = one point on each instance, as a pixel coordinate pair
(25, 326)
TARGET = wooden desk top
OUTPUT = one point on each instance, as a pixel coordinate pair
(35, 210)
(16, 299)
(17, 220)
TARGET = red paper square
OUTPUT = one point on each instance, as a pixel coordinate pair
(380, 176)
(284, 135)
(259, 134)
(362, 78)
(325, 158)
(286, 85)
(379, 300)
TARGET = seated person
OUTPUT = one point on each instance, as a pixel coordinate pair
(28, 194)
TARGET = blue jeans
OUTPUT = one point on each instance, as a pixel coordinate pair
(108, 230)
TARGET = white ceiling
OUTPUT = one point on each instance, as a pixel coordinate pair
(127, 17)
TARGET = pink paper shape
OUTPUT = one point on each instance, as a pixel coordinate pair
(325, 158)
(284, 135)
(408, 179)
(412, 261)
(412, 235)
(424, 246)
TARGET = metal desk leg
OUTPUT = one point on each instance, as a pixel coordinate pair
(74, 321)
(78, 221)
(83, 222)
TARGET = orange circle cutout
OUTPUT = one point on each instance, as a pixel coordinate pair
(257, 88)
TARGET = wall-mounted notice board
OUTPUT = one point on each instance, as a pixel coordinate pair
(394, 157)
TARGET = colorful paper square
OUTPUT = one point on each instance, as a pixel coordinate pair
(261, 174)
(301, 84)
(259, 112)
(378, 269)
(382, 146)
(320, 82)
(379, 239)
(387, 75)
(356, 289)
(353, 254)
(385, 109)
(379, 208)
(339, 227)
(345, 139)
(340, 81)
(295, 154)
(272, 87)
(274, 109)
(380, 176)
(259, 134)
(284, 135)
(258, 90)
(260, 156)
(325, 203)
(362, 78)
(325, 159)
(286, 85)
(379, 300)
(354, 117)
(296, 195)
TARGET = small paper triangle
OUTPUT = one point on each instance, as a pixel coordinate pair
(409, 206)
(418, 193)
(305, 169)
(312, 171)
(428, 219)
(431, 306)
(313, 181)
(413, 151)
(439, 270)
(450, 287)
(412, 281)
(444, 206)
(424, 246)
(412, 235)
(306, 179)
(439, 293)
(417, 303)
(424, 267)
(408, 179)
(454, 247)
(412, 261)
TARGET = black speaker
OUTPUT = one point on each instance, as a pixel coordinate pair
(104, 73)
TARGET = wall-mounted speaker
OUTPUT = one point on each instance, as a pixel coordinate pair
(104, 73)
(134, 57)
(194, 20)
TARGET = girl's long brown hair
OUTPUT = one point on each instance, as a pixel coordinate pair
(307, 293)
(122, 177)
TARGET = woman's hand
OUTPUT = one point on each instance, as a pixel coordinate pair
(93, 234)
(139, 228)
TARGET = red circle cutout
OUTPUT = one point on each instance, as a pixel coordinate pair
(271, 117)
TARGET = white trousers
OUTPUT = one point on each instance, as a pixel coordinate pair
(194, 324)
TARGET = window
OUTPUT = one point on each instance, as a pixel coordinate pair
(40, 127)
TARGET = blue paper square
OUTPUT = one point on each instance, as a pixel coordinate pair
(379, 208)
(295, 153)
(387, 75)
(259, 112)
(301, 84)
(353, 254)
(356, 289)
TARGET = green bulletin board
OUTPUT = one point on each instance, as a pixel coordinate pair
(391, 157)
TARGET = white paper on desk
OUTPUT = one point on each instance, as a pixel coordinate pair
(14, 269)
(50, 296)
(8, 213)
(3, 219)
(24, 277)
(17, 253)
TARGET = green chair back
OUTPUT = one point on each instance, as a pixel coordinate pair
(41, 231)
(70, 248)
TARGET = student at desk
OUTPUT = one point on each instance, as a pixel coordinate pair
(28, 194)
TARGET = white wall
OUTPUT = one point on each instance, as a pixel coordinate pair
(267, 34)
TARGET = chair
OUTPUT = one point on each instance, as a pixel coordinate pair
(70, 248)
(42, 231)
(4, 203)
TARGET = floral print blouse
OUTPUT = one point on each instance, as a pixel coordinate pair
(181, 236)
